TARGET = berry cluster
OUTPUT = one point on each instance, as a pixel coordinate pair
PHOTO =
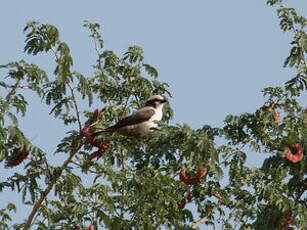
(93, 140)
(184, 177)
(19, 157)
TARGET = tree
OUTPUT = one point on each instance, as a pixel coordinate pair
(145, 182)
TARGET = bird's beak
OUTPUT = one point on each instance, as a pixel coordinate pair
(164, 101)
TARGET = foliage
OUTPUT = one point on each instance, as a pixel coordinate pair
(136, 184)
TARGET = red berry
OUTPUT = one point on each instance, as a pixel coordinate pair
(202, 172)
(270, 106)
(22, 155)
(277, 117)
(181, 204)
(189, 196)
(298, 156)
(97, 154)
(192, 181)
(96, 113)
(218, 196)
(183, 176)
(94, 141)
(87, 131)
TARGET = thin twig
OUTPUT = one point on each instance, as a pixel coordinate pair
(90, 170)
(125, 107)
(199, 222)
(98, 53)
(55, 55)
(24, 87)
(12, 92)
(202, 219)
(76, 106)
(16, 86)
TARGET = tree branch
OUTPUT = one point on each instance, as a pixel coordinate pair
(45, 193)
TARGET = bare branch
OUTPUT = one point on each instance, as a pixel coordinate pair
(199, 222)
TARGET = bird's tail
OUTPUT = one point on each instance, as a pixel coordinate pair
(108, 130)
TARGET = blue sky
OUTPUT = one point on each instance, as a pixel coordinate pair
(216, 55)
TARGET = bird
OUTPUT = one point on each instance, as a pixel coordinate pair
(141, 122)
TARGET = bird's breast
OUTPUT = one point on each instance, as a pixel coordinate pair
(157, 116)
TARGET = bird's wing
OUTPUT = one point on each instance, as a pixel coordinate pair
(138, 117)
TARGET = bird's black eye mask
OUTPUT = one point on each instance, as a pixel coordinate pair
(153, 102)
